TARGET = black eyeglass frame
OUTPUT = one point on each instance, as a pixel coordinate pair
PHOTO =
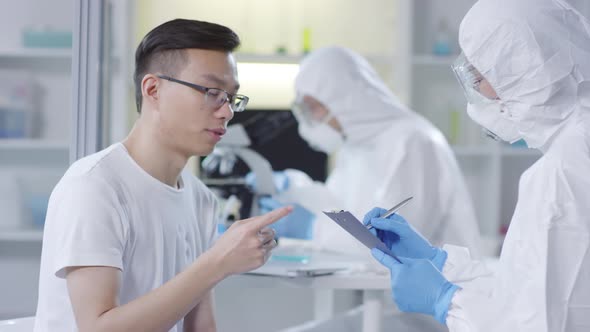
(230, 98)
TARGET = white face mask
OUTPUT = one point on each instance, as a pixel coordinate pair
(490, 117)
(321, 137)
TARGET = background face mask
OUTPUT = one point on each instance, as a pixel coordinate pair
(489, 116)
(321, 137)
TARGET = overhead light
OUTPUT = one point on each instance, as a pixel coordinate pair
(269, 85)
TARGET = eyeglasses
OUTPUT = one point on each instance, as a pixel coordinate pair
(215, 98)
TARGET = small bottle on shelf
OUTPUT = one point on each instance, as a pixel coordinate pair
(306, 40)
(10, 203)
(442, 39)
(454, 124)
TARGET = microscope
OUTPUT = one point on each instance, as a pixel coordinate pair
(233, 147)
(257, 142)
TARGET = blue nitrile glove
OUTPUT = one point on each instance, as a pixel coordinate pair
(280, 179)
(417, 286)
(402, 239)
(298, 224)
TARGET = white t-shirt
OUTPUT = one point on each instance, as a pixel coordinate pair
(107, 211)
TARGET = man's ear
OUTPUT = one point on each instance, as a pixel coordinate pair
(150, 89)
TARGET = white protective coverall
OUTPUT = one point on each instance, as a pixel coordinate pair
(389, 153)
(536, 55)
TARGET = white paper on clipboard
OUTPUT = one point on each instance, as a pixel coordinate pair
(355, 228)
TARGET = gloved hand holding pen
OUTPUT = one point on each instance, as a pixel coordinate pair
(418, 286)
(402, 239)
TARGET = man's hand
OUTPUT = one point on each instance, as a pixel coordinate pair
(247, 244)
(297, 225)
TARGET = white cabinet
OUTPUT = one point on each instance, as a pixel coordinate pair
(35, 112)
(29, 169)
(36, 102)
(38, 125)
(491, 169)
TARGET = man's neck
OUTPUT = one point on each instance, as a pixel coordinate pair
(154, 157)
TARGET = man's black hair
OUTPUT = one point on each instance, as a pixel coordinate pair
(162, 48)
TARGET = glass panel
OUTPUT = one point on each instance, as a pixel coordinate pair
(118, 99)
(35, 105)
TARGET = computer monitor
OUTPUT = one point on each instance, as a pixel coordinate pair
(275, 136)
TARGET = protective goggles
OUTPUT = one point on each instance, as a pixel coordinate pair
(307, 114)
(477, 89)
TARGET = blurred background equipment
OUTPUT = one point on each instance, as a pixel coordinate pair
(260, 142)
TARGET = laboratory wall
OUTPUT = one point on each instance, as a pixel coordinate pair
(275, 35)
(280, 27)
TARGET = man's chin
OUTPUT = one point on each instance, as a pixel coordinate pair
(204, 151)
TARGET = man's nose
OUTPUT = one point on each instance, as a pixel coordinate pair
(225, 111)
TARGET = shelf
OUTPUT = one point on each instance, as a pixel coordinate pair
(382, 59)
(433, 60)
(37, 54)
(520, 151)
(488, 150)
(473, 151)
(268, 58)
(296, 58)
(32, 144)
(40, 60)
(21, 235)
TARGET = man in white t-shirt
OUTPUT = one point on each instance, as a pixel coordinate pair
(128, 241)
